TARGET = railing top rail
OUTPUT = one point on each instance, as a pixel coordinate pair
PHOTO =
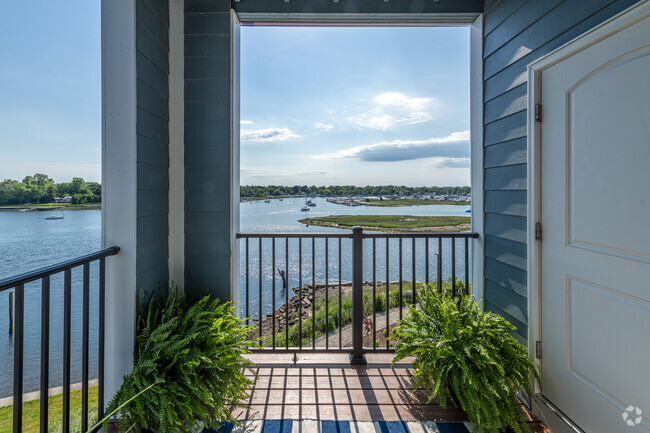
(461, 235)
(55, 269)
(294, 235)
(381, 235)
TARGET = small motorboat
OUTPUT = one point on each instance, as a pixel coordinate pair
(304, 209)
(267, 201)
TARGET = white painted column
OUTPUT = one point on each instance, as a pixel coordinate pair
(476, 122)
(119, 185)
(176, 144)
(234, 154)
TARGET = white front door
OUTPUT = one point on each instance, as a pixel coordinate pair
(595, 211)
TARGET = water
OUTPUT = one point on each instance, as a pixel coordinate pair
(28, 241)
(282, 216)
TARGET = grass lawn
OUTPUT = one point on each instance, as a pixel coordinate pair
(401, 222)
(31, 413)
(411, 202)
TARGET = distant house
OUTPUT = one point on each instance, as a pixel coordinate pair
(66, 199)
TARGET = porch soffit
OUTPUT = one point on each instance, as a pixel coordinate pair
(357, 12)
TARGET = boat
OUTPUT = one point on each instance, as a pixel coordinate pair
(280, 199)
(304, 209)
(267, 201)
(55, 216)
(354, 204)
(468, 210)
(310, 203)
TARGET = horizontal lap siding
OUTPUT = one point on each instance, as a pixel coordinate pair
(516, 32)
(152, 96)
(207, 147)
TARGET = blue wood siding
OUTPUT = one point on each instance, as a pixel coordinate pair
(516, 32)
(207, 147)
(152, 158)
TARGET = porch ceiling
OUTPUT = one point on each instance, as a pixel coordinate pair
(350, 12)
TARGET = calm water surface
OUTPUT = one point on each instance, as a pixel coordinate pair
(28, 241)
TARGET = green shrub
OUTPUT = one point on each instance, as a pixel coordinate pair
(193, 352)
(466, 356)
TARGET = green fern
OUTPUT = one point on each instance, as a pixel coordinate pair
(467, 357)
(194, 354)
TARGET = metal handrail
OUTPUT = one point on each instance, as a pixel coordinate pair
(358, 237)
(30, 276)
(18, 284)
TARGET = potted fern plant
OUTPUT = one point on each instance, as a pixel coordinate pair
(467, 357)
(193, 353)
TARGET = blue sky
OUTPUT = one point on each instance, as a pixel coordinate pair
(50, 89)
(360, 106)
(318, 105)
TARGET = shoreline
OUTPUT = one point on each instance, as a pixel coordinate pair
(41, 208)
(440, 229)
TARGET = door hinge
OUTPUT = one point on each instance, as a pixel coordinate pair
(538, 349)
(538, 112)
(538, 231)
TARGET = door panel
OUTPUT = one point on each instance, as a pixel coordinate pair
(595, 255)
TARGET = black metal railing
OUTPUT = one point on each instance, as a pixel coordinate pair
(305, 263)
(44, 275)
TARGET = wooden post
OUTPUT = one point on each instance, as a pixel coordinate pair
(11, 313)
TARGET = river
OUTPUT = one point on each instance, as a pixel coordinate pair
(28, 241)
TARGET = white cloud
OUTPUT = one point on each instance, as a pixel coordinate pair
(323, 127)
(392, 109)
(454, 146)
(246, 122)
(267, 135)
(442, 161)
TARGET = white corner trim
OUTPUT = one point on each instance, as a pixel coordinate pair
(476, 122)
(119, 179)
(235, 31)
(625, 19)
(176, 145)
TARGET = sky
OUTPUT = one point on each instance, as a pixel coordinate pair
(319, 106)
(50, 89)
(359, 106)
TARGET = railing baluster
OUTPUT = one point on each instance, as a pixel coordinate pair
(466, 266)
(286, 295)
(259, 277)
(340, 310)
(84, 350)
(414, 279)
(440, 265)
(387, 293)
(67, 313)
(374, 293)
(19, 321)
(401, 300)
(273, 289)
(45, 351)
(426, 255)
(247, 284)
(327, 291)
(313, 293)
(102, 330)
(453, 267)
(300, 292)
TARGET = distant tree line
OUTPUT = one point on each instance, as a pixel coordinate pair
(251, 191)
(41, 189)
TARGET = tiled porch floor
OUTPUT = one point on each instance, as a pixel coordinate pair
(326, 387)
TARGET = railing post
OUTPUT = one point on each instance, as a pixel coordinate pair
(357, 356)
